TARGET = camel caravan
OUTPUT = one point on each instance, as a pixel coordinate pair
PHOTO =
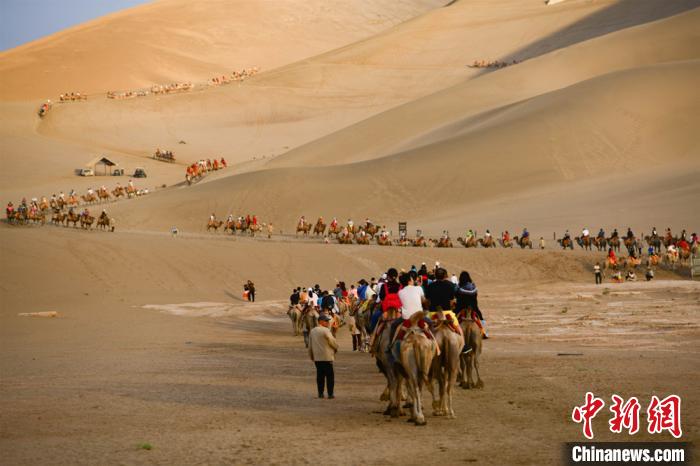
(36, 212)
(61, 208)
(424, 331)
(72, 97)
(242, 225)
(198, 170)
(236, 76)
(164, 155)
(492, 64)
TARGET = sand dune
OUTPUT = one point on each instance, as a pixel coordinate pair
(616, 124)
(177, 40)
(672, 39)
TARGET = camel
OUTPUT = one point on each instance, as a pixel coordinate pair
(72, 217)
(334, 230)
(371, 230)
(58, 217)
(103, 195)
(470, 243)
(473, 339)
(417, 354)
(445, 368)
(215, 224)
(585, 242)
(254, 229)
(294, 314)
(672, 259)
(523, 242)
(345, 239)
(230, 225)
(89, 198)
(37, 216)
(319, 228)
(73, 200)
(310, 316)
(104, 222)
(131, 191)
(487, 242)
(653, 241)
(506, 244)
(362, 239)
(444, 243)
(86, 221)
(630, 243)
(566, 243)
(389, 366)
(383, 241)
(118, 192)
(600, 242)
(614, 243)
(362, 311)
(420, 242)
(304, 228)
(44, 205)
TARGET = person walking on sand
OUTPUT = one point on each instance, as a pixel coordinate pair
(251, 291)
(322, 349)
(598, 273)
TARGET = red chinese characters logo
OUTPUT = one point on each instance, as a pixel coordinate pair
(665, 415)
(586, 412)
(624, 415)
(662, 415)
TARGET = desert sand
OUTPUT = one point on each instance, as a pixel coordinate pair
(359, 109)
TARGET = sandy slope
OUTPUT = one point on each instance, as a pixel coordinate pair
(177, 40)
(572, 137)
(292, 105)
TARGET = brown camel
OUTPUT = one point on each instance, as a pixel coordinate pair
(445, 368)
(444, 243)
(600, 243)
(470, 243)
(417, 353)
(118, 192)
(362, 239)
(523, 242)
(334, 230)
(319, 228)
(310, 316)
(215, 224)
(585, 242)
(487, 242)
(473, 339)
(345, 239)
(294, 314)
(305, 228)
(614, 242)
(383, 241)
(420, 242)
(86, 221)
(72, 217)
(388, 365)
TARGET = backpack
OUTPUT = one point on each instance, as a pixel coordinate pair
(391, 300)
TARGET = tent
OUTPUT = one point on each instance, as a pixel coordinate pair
(106, 164)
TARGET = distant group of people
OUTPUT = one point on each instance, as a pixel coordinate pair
(171, 88)
(164, 154)
(73, 96)
(127, 94)
(235, 76)
(200, 168)
(492, 63)
(393, 300)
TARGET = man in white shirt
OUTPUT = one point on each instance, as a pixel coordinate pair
(585, 233)
(412, 300)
